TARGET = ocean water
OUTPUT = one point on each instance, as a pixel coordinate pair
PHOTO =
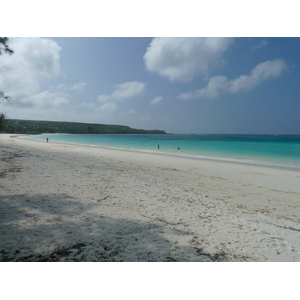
(281, 151)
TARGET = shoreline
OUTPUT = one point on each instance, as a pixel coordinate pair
(185, 155)
(64, 202)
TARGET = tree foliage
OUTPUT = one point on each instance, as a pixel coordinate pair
(36, 127)
(4, 98)
(4, 49)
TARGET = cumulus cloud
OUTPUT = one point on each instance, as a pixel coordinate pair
(77, 86)
(128, 90)
(34, 59)
(259, 74)
(262, 44)
(86, 105)
(123, 91)
(156, 100)
(220, 84)
(215, 85)
(107, 108)
(181, 59)
(103, 98)
(44, 99)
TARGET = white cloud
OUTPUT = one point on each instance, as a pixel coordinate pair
(131, 111)
(181, 59)
(220, 84)
(262, 44)
(259, 74)
(87, 105)
(44, 99)
(34, 59)
(128, 90)
(107, 108)
(103, 98)
(156, 100)
(212, 90)
(77, 86)
(62, 86)
(123, 91)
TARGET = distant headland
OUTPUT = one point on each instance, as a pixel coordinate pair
(36, 127)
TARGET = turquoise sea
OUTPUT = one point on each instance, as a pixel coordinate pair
(281, 151)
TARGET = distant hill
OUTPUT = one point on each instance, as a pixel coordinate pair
(35, 127)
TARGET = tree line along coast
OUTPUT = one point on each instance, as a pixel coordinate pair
(37, 127)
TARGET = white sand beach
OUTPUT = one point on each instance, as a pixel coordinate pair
(77, 203)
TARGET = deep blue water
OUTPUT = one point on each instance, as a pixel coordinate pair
(280, 151)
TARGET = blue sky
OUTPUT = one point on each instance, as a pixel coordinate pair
(180, 85)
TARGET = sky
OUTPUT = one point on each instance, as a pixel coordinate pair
(247, 83)
(180, 85)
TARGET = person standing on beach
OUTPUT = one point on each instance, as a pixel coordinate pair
(158, 146)
(47, 140)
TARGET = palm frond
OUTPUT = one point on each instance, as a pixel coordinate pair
(4, 47)
(4, 98)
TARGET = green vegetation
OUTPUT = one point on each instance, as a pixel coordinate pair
(36, 127)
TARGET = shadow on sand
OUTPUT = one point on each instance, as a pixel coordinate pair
(58, 227)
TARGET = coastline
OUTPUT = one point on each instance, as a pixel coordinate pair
(77, 203)
(260, 162)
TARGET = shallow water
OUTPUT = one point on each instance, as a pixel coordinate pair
(269, 150)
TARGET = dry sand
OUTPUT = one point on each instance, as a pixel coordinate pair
(70, 203)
